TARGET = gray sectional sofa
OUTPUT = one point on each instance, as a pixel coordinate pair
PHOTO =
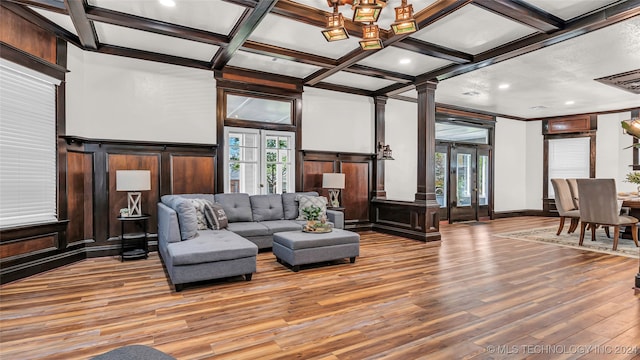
(193, 255)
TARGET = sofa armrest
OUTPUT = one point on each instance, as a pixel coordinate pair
(168, 227)
(337, 218)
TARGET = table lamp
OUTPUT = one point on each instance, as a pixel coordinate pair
(133, 181)
(334, 182)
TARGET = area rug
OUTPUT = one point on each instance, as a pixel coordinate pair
(603, 244)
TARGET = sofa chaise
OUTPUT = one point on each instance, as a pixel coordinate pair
(192, 255)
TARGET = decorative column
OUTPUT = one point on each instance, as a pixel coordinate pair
(378, 192)
(429, 221)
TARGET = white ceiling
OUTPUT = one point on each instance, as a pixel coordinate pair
(547, 77)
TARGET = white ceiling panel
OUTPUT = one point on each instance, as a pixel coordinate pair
(136, 39)
(279, 31)
(268, 64)
(568, 9)
(63, 21)
(212, 15)
(473, 30)
(403, 61)
(358, 81)
(542, 82)
(413, 93)
(387, 16)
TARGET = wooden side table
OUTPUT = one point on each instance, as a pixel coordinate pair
(137, 252)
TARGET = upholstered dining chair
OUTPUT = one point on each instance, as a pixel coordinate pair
(573, 186)
(564, 204)
(599, 206)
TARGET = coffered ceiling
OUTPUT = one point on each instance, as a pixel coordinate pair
(521, 58)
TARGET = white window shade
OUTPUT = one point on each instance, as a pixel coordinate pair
(27, 147)
(568, 159)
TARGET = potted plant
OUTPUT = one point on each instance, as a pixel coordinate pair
(315, 221)
(634, 178)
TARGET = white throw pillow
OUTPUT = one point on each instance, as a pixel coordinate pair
(305, 201)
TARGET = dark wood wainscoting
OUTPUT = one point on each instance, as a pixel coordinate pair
(358, 172)
(405, 218)
(92, 203)
(92, 164)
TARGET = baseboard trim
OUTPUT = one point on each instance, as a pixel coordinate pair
(430, 237)
(517, 213)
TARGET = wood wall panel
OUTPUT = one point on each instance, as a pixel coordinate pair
(312, 175)
(80, 196)
(193, 174)
(355, 196)
(28, 246)
(22, 34)
(118, 199)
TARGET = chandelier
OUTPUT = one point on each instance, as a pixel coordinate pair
(367, 12)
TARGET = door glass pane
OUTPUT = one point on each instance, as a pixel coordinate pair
(278, 164)
(463, 180)
(483, 180)
(243, 173)
(441, 178)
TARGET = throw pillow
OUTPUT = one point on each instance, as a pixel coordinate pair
(216, 217)
(307, 201)
(199, 204)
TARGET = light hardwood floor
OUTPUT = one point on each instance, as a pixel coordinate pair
(402, 299)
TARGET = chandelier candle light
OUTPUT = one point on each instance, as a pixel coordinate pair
(133, 181)
(334, 182)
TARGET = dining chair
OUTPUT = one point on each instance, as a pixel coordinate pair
(573, 186)
(599, 206)
(565, 205)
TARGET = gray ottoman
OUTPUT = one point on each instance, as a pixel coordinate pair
(296, 247)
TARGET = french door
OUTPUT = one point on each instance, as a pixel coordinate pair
(462, 181)
(259, 161)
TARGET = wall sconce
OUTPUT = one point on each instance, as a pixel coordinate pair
(384, 152)
(133, 181)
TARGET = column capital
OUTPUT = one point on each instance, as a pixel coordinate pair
(425, 84)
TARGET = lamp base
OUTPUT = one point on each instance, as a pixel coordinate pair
(333, 197)
(134, 202)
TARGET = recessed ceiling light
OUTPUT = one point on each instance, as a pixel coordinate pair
(168, 3)
(404, 61)
(570, 102)
(503, 86)
(471, 93)
(538, 107)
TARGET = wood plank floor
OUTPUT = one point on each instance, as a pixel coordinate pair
(475, 296)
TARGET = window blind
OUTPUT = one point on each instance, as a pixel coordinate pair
(27, 146)
(568, 158)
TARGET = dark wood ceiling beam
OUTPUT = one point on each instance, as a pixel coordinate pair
(50, 5)
(426, 48)
(425, 17)
(344, 89)
(154, 26)
(84, 27)
(242, 33)
(523, 13)
(379, 73)
(42, 22)
(579, 26)
(151, 56)
(287, 54)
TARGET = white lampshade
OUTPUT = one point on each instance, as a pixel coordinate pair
(333, 181)
(133, 180)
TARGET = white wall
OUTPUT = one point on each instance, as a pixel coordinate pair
(333, 121)
(118, 98)
(534, 165)
(612, 159)
(401, 133)
(510, 169)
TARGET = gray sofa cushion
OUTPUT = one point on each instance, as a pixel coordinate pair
(208, 197)
(211, 246)
(187, 217)
(290, 204)
(236, 206)
(248, 228)
(266, 207)
(275, 226)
